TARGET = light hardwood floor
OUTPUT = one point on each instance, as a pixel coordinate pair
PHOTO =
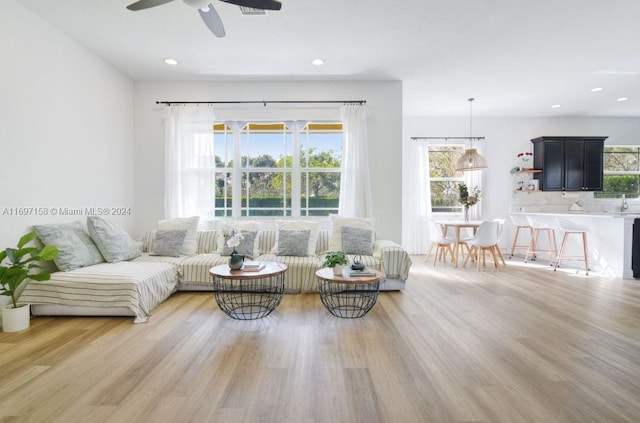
(522, 344)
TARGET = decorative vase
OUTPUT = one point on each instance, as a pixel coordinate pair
(466, 214)
(15, 319)
(236, 260)
(337, 269)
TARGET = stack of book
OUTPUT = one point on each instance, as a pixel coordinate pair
(364, 272)
(252, 266)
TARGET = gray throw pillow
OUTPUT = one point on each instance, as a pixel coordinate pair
(246, 245)
(168, 243)
(357, 241)
(293, 243)
(112, 240)
(76, 247)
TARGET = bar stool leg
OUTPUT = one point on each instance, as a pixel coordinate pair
(564, 243)
(552, 234)
(586, 252)
(532, 245)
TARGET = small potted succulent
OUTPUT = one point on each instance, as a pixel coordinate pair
(335, 260)
(20, 262)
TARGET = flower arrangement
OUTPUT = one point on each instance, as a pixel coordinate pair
(468, 199)
(526, 159)
(232, 235)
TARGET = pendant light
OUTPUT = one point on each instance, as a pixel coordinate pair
(471, 159)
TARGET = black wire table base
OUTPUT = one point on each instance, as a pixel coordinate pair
(248, 299)
(348, 300)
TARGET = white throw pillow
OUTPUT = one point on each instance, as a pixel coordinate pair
(338, 222)
(241, 225)
(299, 225)
(189, 224)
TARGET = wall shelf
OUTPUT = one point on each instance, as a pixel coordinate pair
(530, 171)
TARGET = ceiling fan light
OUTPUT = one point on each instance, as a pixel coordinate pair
(471, 160)
(198, 4)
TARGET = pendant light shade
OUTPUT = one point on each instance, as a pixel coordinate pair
(471, 159)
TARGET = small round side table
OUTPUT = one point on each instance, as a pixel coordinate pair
(346, 296)
(248, 295)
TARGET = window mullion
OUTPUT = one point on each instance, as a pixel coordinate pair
(236, 185)
(295, 171)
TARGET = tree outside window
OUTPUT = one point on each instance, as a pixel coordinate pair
(443, 178)
(621, 172)
(273, 180)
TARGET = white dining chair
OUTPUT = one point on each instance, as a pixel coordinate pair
(485, 240)
(465, 235)
(443, 245)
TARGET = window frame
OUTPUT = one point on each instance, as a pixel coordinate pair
(241, 169)
(602, 195)
(458, 178)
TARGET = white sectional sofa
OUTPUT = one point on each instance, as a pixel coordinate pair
(193, 271)
(135, 286)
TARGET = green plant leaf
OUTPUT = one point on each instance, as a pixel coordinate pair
(27, 238)
(10, 254)
(43, 276)
(18, 254)
(3, 255)
(49, 252)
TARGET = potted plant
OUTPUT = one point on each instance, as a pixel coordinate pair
(335, 260)
(20, 263)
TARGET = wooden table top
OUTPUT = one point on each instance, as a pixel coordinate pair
(326, 274)
(270, 269)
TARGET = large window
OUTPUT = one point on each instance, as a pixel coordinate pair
(621, 172)
(443, 178)
(270, 169)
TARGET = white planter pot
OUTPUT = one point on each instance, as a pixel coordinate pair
(337, 269)
(15, 319)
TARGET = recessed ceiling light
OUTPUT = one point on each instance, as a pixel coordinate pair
(622, 99)
(170, 61)
(596, 89)
(556, 106)
(317, 62)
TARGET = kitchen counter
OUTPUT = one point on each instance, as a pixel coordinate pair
(610, 243)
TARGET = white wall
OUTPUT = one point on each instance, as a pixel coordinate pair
(505, 138)
(66, 126)
(384, 101)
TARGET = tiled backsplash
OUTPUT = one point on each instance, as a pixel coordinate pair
(559, 202)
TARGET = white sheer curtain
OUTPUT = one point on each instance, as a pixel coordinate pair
(416, 194)
(189, 161)
(474, 179)
(355, 184)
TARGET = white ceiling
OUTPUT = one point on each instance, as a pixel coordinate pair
(516, 57)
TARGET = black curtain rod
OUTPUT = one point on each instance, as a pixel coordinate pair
(265, 102)
(447, 138)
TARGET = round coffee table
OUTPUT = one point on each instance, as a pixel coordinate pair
(346, 296)
(248, 295)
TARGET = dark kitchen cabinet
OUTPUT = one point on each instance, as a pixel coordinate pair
(569, 163)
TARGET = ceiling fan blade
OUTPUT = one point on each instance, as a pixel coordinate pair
(145, 4)
(213, 21)
(257, 4)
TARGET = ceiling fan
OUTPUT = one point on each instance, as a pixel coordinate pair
(208, 12)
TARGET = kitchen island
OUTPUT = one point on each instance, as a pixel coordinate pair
(610, 240)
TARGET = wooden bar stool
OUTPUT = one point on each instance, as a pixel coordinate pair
(540, 226)
(520, 222)
(569, 228)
